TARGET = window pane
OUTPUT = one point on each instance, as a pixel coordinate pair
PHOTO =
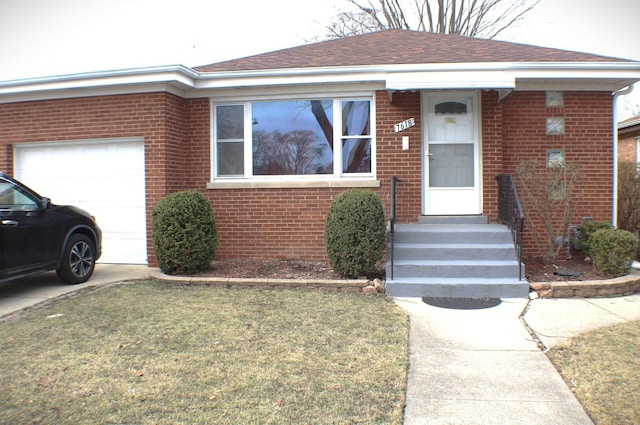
(451, 165)
(356, 156)
(12, 199)
(355, 118)
(230, 122)
(230, 159)
(292, 137)
(230, 140)
(450, 108)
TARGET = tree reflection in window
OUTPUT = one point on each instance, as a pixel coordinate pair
(294, 137)
(356, 137)
(289, 140)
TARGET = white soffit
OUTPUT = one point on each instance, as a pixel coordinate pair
(450, 80)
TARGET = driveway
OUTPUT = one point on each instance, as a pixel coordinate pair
(18, 294)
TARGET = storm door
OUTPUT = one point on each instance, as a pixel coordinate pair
(451, 178)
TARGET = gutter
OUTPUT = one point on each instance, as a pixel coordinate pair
(615, 74)
(621, 92)
(131, 72)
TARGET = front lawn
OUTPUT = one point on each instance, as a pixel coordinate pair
(152, 353)
(603, 369)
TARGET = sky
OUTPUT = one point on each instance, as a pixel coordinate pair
(54, 37)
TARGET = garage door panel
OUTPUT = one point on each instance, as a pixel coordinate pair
(106, 178)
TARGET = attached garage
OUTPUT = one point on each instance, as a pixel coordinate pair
(105, 177)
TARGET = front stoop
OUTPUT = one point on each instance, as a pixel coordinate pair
(454, 259)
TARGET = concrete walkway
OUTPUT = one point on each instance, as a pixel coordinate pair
(482, 366)
(555, 320)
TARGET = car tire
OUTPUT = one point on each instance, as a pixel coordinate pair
(78, 261)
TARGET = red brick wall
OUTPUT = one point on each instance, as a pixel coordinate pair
(492, 151)
(158, 117)
(289, 223)
(588, 142)
(627, 144)
(392, 160)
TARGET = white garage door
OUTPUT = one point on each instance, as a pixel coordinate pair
(104, 177)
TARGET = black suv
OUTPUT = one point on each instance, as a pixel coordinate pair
(37, 236)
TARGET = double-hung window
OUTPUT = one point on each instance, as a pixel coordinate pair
(305, 138)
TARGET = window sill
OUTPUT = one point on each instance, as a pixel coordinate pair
(292, 184)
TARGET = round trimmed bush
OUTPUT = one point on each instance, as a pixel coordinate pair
(355, 232)
(613, 250)
(586, 231)
(184, 233)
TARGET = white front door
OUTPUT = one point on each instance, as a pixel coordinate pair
(451, 169)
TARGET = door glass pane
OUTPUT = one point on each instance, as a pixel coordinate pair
(451, 165)
(451, 108)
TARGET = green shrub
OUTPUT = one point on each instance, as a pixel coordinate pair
(613, 250)
(355, 232)
(585, 233)
(184, 233)
(628, 197)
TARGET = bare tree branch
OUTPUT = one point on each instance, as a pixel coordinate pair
(472, 18)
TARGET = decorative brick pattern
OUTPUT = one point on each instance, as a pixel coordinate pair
(588, 142)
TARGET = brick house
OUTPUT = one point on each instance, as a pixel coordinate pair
(271, 139)
(629, 140)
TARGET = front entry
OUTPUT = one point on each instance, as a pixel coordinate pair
(451, 170)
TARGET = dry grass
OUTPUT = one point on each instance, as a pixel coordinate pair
(149, 353)
(603, 368)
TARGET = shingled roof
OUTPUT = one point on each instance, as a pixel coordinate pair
(395, 46)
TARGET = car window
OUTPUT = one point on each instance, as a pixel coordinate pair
(12, 199)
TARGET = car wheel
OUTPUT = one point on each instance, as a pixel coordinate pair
(78, 261)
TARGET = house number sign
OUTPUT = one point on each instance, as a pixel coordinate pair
(404, 125)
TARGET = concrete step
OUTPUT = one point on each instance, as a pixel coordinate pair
(452, 233)
(457, 288)
(454, 219)
(450, 251)
(455, 268)
(454, 259)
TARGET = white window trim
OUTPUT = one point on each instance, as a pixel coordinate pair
(337, 179)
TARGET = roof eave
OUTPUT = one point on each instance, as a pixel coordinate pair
(604, 75)
(184, 81)
(173, 78)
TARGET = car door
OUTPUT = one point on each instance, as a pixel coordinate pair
(27, 234)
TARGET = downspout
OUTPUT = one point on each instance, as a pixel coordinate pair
(621, 92)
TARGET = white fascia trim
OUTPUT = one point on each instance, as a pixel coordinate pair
(186, 82)
(497, 73)
(91, 91)
(435, 80)
(177, 75)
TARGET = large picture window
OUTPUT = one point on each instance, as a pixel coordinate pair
(302, 137)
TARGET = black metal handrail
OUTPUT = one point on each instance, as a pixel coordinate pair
(392, 224)
(510, 213)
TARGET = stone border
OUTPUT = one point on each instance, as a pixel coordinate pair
(619, 286)
(357, 286)
(625, 285)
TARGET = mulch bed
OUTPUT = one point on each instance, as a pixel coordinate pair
(577, 268)
(574, 269)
